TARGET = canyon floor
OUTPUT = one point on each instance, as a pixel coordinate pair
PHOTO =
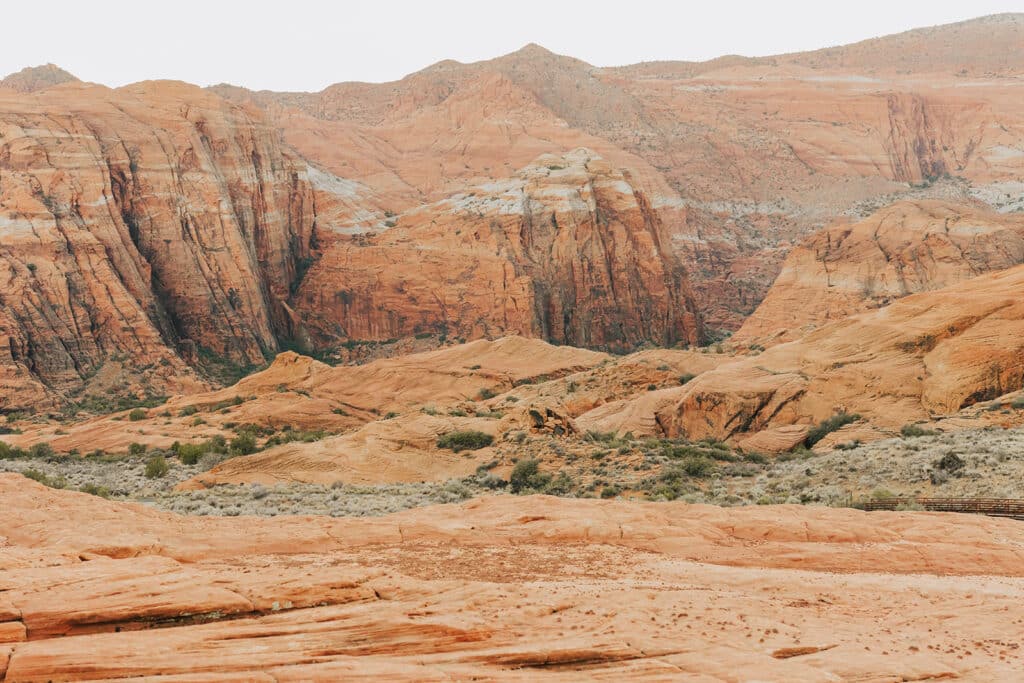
(503, 588)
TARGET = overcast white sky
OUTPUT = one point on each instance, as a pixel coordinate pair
(307, 45)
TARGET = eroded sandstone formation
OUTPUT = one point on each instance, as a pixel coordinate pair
(567, 250)
(903, 249)
(155, 224)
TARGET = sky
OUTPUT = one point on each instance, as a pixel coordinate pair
(307, 45)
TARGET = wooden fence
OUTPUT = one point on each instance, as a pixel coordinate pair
(994, 507)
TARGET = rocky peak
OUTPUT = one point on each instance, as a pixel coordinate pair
(33, 78)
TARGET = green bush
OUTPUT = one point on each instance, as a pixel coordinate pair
(243, 444)
(136, 448)
(826, 427)
(486, 394)
(188, 410)
(156, 467)
(686, 377)
(526, 475)
(290, 435)
(44, 479)
(41, 450)
(1018, 403)
(95, 490)
(137, 414)
(912, 431)
(698, 466)
(465, 441)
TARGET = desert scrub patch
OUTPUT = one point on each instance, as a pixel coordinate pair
(137, 414)
(156, 467)
(289, 435)
(486, 393)
(95, 490)
(44, 479)
(826, 427)
(469, 440)
(911, 431)
(243, 444)
(527, 476)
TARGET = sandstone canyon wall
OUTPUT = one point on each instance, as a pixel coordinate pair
(155, 224)
(567, 250)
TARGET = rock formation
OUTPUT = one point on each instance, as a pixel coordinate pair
(155, 224)
(739, 157)
(927, 354)
(903, 249)
(567, 250)
(95, 590)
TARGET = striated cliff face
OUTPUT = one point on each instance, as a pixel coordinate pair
(909, 247)
(741, 158)
(154, 226)
(567, 250)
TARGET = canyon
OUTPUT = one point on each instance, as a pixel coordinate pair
(564, 190)
(518, 368)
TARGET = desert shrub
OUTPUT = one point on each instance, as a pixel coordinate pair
(41, 450)
(485, 394)
(561, 485)
(44, 479)
(290, 435)
(243, 444)
(913, 431)
(826, 427)
(136, 449)
(526, 475)
(610, 491)
(156, 467)
(670, 484)
(698, 466)
(950, 462)
(137, 414)
(189, 453)
(686, 377)
(465, 441)
(755, 457)
(188, 410)
(1018, 403)
(95, 490)
(227, 403)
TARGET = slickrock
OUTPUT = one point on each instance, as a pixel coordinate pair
(903, 249)
(307, 394)
(507, 588)
(928, 354)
